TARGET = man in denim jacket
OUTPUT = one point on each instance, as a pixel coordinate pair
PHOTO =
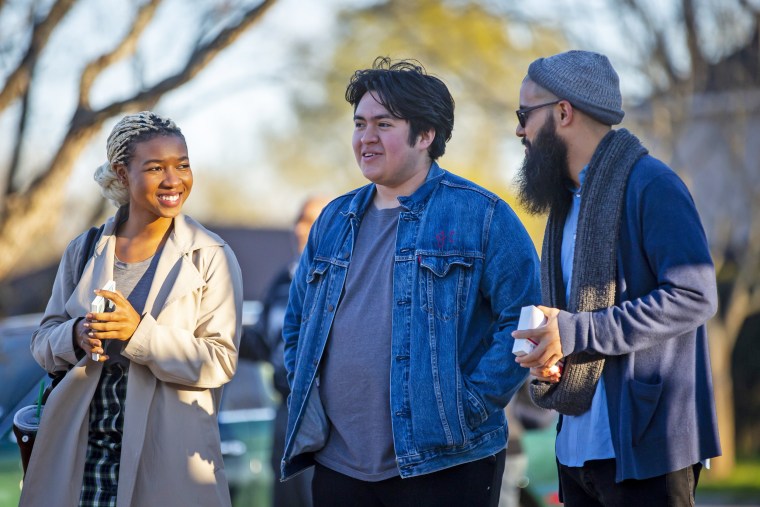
(397, 332)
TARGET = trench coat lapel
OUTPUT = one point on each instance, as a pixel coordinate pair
(175, 274)
(175, 277)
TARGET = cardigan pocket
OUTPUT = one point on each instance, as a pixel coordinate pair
(645, 398)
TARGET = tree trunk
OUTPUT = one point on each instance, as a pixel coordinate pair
(721, 347)
(28, 216)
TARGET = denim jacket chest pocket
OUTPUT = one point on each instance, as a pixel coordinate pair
(444, 283)
(316, 281)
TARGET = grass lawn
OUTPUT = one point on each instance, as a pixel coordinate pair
(742, 486)
(9, 490)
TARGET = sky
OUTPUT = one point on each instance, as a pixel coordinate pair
(221, 112)
(242, 93)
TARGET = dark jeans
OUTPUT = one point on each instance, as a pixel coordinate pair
(593, 485)
(472, 484)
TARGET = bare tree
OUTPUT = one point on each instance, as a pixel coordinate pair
(25, 210)
(476, 58)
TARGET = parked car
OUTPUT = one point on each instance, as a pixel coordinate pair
(20, 378)
(245, 417)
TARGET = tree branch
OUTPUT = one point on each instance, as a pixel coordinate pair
(744, 299)
(126, 47)
(197, 61)
(658, 53)
(15, 161)
(27, 215)
(748, 6)
(698, 63)
(19, 80)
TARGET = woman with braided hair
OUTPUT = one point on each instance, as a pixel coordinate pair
(134, 420)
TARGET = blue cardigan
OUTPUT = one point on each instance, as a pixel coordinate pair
(657, 372)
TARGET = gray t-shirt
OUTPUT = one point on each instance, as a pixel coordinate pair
(133, 280)
(355, 377)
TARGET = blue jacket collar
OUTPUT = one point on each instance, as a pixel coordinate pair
(414, 203)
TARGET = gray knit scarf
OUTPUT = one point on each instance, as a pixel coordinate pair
(593, 284)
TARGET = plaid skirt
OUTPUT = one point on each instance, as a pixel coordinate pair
(101, 469)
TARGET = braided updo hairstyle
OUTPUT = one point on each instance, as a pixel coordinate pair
(120, 148)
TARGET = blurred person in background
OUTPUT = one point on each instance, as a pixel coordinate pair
(138, 425)
(628, 285)
(263, 342)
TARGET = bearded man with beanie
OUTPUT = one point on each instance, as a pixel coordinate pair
(627, 287)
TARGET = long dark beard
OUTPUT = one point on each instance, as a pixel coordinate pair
(543, 180)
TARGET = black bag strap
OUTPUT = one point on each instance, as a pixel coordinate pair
(90, 240)
(88, 249)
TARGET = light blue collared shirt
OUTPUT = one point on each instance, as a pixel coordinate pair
(586, 436)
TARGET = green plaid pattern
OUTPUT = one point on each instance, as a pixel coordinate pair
(101, 469)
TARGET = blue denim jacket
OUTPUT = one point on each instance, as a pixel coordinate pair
(464, 266)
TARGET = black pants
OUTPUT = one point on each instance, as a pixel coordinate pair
(296, 491)
(473, 484)
(593, 485)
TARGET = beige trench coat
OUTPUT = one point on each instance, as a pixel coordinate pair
(182, 353)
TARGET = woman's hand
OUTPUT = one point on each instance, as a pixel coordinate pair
(119, 324)
(88, 345)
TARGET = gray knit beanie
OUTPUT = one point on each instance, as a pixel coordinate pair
(583, 78)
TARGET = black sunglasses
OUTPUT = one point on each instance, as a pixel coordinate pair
(522, 114)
